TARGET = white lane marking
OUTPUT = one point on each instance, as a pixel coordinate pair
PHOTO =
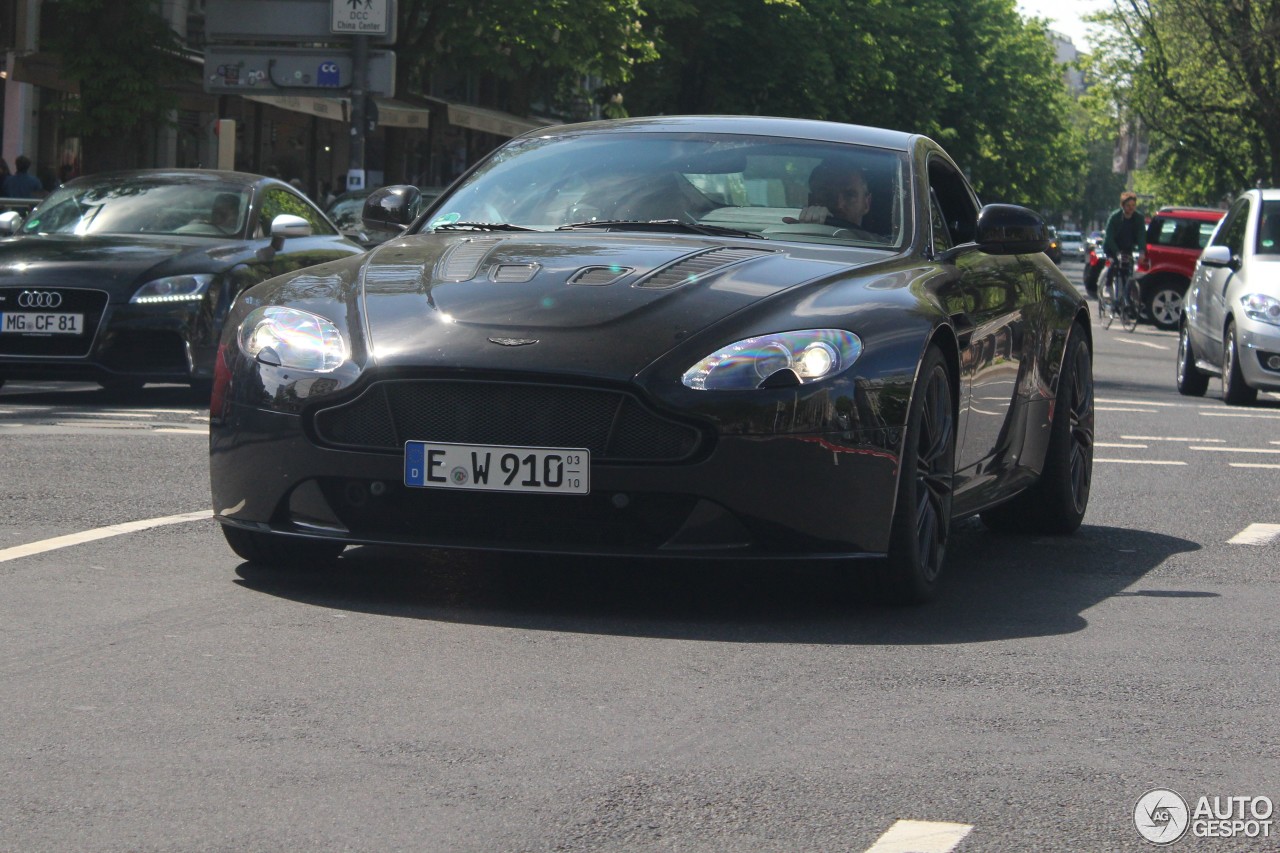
(1122, 409)
(1238, 449)
(182, 431)
(1255, 534)
(1273, 441)
(1254, 464)
(116, 413)
(1167, 438)
(981, 411)
(99, 533)
(1142, 343)
(1133, 446)
(920, 836)
(1140, 403)
(1140, 461)
(1241, 415)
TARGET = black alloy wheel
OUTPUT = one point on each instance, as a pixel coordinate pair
(1057, 502)
(1235, 391)
(921, 524)
(1191, 381)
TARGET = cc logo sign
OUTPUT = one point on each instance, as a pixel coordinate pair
(39, 299)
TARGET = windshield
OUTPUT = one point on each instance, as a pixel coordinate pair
(142, 206)
(780, 189)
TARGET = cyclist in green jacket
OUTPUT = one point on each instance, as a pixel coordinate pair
(1126, 235)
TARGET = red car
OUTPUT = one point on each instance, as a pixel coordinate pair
(1175, 238)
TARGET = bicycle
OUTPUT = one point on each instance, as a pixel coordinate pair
(1117, 295)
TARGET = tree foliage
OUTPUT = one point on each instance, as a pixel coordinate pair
(126, 60)
(1203, 76)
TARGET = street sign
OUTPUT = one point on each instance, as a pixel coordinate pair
(361, 17)
(238, 70)
(248, 21)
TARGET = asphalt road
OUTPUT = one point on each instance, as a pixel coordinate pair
(159, 694)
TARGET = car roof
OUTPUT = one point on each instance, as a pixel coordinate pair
(1205, 213)
(823, 131)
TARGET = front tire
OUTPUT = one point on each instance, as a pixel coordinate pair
(1235, 391)
(269, 549)
(1057, 502)
(1164, 306)
(1191, 382)
(921, 524)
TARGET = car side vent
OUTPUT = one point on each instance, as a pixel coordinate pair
(462, 262)
(689, 269)
(598, 276)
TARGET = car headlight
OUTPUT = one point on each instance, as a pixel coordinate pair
(1259, 306)
(811, 354)
(175, 288)
(287, 337)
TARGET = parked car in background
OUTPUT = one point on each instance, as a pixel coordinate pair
(346, 209)
(124, 278)
(1055, 247)
(1072, 245)
(620, 338)
(1231, 326)
(1175, 238)
(1095, 261)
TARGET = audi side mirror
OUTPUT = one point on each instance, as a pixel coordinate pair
(10, 222)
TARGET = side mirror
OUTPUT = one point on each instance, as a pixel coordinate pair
(288, 225)
(10, 222)
(1216, 256)
(1007, 229)
(391, 208)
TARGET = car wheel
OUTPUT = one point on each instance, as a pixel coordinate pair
(268, 549)
(1235, 391)
(1164, 306)
(1191, 382)
(1057, 502)
(922, 518)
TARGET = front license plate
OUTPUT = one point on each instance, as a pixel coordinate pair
(495, 468)
(30, 322)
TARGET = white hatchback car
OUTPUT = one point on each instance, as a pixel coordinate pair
(1231, 322)
(1072, 244)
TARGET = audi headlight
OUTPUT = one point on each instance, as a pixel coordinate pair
(1259, 306)
(175, 288)
(811, 355)
(287, 337)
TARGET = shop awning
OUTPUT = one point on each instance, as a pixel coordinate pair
(391, 113)
(493, 121)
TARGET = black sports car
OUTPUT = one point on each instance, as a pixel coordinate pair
(124, 278)
(726, 337)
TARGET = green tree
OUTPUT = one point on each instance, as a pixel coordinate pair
(1203, 76)
(539, 49)
(126, 59)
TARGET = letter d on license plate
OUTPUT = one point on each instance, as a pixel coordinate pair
(497, 468)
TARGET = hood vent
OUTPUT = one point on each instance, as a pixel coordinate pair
(598, 276)
(689, 269)
(513, 273)
(462, 262)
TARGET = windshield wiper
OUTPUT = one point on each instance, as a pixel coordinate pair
(479, 226)
(662, 225)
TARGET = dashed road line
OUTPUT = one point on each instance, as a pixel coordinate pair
(1241, 415)
(1255, 534)
(920, 836)
(1142, 344)
(1138, 402)
(1123, 409)
(1238, 449)
(99, 533)
(1254, 465)
(1141, 461)
(1171, 438)
(1129, 446)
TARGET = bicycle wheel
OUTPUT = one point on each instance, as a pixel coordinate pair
(1106, 306)
(1130, 309)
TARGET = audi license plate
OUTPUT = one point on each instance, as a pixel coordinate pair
(39, 323)
(496, 468)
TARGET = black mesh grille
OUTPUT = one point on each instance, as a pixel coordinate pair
(614, 426)
(90, 303)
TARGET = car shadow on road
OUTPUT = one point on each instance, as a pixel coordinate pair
(80, 395)
(996, 587)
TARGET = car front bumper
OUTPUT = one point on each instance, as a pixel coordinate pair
(1258, 344)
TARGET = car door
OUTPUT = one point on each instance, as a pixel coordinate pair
(1208, 310)
(992, 328)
